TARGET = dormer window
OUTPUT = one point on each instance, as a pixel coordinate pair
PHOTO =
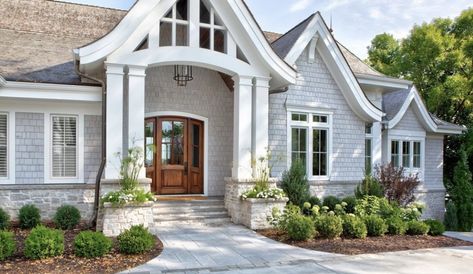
(173, 30)
(212, 32)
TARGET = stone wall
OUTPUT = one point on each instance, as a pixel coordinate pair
(434, 200)
(255, 212)
(48, 198)
(118, 219)
(339, 189)
(207, 96)
(29, 151)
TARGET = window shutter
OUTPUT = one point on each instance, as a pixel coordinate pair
(3, 145)
(64, 146)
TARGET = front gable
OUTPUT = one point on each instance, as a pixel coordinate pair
(205, 31)
(410, 121)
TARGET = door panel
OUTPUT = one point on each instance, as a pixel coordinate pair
(175, 164)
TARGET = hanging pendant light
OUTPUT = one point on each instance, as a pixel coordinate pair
(182, 75)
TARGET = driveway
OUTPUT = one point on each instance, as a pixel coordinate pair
(235, 249)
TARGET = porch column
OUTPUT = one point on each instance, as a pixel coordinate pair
(260, 127)
(136, 109)
(242, 120)
(376, 130)
(114, 125)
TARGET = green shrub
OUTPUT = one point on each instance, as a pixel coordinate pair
(350, 204)
(417, 228)
(370, 186)
(462, 193)
(300, 228)
(91, 244)
(314, 200)
(436, 228)
(295, 184)
(465, 216)
(29, 216)
(396, 226)
(329, 226)
(7, 245)
(354, 227)
(375, 225)
(4, 220)
(279, 220)
(372, 205)
(451, 221)
(331, 202)
(135, 240)
(43, 243)
(67, 217)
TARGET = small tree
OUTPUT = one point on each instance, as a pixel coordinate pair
(397, 186)
(462, 193)
(451, 221)
(295, 184)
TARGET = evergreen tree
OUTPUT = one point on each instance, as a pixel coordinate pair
(462, 193)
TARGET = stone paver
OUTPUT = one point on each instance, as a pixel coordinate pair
(465, 236)
(197, 249)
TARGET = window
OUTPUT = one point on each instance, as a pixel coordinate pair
(407, 154)
(3, 145)
(173, 29)
(310, 142)
(212, 32)
(64, 146)
(368, 149)
(395, 153)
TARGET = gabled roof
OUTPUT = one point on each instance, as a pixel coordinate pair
(395, 105)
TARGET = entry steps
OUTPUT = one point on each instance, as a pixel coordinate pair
(210, 211)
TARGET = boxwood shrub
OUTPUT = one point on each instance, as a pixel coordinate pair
(7, 245)
(4, 219)
(331, 202)
(67, 217)
(417, 228)
(135, 240)
(300, 228)
(436, 227)
(375, 225)
(91, 244)
(44, 243)
(29, 216)
(329, 226)
(354, 227)
(396, 226)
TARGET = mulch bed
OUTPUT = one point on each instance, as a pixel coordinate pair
(68, 263)
(369, 245)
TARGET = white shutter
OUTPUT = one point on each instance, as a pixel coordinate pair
(3, 145)
(64, 146)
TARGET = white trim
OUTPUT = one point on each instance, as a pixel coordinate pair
(25, 90)
(11, 143)
(206, 137)
(411, 139)
(310, 125)
(385, 82)
(3, 82)
(338, 66)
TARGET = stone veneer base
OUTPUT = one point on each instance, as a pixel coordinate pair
(254, 213)
(117, 219)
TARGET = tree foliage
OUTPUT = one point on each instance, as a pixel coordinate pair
(438, 58)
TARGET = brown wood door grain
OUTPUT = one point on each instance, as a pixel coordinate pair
(196, 157)
(150, 152)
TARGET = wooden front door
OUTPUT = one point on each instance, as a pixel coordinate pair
(174, 155)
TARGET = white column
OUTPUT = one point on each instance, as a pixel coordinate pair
(194, 24)
(136, 109)
(260, 126)
(242, 120)
(114, 120)
(377, 133)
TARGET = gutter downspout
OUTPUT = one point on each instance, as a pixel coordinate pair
(93, 221)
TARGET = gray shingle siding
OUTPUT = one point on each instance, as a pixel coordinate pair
(433, 162)
(207, 96)
(29, 150)
(92, 146)
(409, 122)
(316, 85)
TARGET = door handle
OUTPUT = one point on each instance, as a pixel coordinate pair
(185, 168)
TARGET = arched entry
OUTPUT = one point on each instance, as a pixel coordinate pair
(175, 154)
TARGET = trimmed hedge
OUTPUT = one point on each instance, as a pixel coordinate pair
(29, 216)
(375, 225)
(329, 226)
(67, 217)
(91, 244)
(135, 240)
(417, 228)
(300, 228)
(44, 243)
(436, 227)
(354, 227)
(7, 245)
(396, 226)
(4, 219)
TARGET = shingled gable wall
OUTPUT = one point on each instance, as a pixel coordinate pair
(315, 84)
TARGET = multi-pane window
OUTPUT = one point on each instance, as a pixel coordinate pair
(416, 157)
(368, 148)
(212, 31)
(3, 145)
(310, 141)
(395, 153)
(64, 146)
(173, 29)
(406, 154)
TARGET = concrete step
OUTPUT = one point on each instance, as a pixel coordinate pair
(174, 204)
(199, 222)
(188, 209)
(194, 216)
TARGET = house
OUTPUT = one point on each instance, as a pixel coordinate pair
(200, 82)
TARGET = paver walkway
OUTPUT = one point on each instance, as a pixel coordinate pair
(228, 247)
(465, 236)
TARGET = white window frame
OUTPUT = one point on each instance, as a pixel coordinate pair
(310, 125)
(174, 22)
(212, 27)
(369, 136)
(51, 117)
(411, 137)
(7, 177)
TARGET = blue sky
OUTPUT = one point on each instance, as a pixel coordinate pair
(355, 22)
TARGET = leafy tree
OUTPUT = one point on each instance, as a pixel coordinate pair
(438, 58)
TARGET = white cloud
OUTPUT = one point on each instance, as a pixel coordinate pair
(300, 5)
(375, 13)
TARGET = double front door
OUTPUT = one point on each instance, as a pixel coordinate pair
(174, 155)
